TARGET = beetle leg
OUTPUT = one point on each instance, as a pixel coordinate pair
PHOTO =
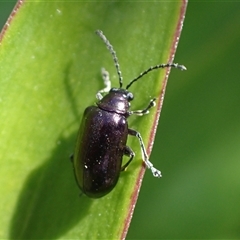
(129, 152)
(71, 157)
(107, 84)
(155, 172)
(146, 110)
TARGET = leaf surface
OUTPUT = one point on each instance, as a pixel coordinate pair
(50, 72)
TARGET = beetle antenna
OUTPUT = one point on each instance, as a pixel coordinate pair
(175, 65)
(111, 50)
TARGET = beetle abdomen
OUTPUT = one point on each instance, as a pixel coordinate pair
(99, 151)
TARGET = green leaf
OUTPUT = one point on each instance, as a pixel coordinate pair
(50, 72)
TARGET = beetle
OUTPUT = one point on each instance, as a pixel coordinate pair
(103, 133)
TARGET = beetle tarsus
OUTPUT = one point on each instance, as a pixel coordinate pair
(106, 81)
(145, 111)
(156, 172)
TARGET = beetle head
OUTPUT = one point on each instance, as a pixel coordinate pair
(117, 100)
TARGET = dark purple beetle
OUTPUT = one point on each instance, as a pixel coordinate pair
(103, 133)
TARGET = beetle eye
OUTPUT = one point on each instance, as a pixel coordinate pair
(130, 96)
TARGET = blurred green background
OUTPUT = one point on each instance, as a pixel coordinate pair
(198, 137)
